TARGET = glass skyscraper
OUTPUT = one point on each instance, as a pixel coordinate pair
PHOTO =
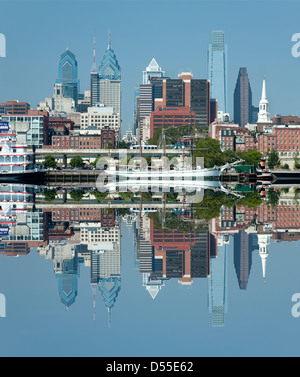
(110, 81)
(242, 99)
(217, 69)
(68, 75)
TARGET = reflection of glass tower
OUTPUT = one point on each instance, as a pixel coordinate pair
(67, 280)
(217, 69)
(218, 284)
(103, 241)
(68, 75)
(66, 265)
(244, 245)
(106, 273)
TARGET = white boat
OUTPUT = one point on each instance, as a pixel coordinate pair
(16, 160)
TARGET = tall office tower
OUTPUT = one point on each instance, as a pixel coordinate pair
(68, 75)
(188, 92)
(149, 90)
(217, 69)
(263, 114)
(110, 81)
(153, 70)
(200, 101)
(94, 79)
(242, 99)
(218, 283)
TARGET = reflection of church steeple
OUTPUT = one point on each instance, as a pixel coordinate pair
(263, 241)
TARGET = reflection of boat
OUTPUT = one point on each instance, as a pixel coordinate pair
(14, 199)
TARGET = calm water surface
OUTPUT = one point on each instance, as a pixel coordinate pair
(91, 278)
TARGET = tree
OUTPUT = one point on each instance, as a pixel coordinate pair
(50, 162)
(123, 145)
(77, 162)
(273, 159)
(76, 195)
(210, 150)
(251, 157)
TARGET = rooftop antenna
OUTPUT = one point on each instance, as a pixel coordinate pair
(94, 69)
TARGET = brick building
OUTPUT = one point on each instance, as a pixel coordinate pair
(232, 137)
(100, 140)
(15, 107)
(171, 117)
(283, 139)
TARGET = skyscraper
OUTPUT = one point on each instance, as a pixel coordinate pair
(217, 69)
(105, 81)
(153, 70)
(94, 79)
(149, 90)
(243, 99)
(110, 81)
(68, 75)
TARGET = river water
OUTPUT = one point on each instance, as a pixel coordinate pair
(148, 276)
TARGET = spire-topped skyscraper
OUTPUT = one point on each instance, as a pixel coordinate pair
(106, 81)
(94, 78)
(110, 80)
(263, 114)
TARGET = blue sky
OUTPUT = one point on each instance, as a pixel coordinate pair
(175, 32)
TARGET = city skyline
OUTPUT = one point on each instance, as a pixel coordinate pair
(243, 50)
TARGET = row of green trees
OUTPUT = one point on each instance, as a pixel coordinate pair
(76, 162)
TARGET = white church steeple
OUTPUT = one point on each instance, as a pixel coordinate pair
(263, 114)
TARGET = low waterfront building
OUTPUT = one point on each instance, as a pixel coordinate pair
(31, 128)
(15, 107)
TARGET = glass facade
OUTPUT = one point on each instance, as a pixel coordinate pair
(68, 75)
(217, 69)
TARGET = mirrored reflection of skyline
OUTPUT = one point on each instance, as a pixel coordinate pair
(170, 241)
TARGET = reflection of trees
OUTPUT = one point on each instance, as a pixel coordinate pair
(251, 199)
(273, 197)
(49, 195)
(212, 203)
(76, 195)
(174, 222)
